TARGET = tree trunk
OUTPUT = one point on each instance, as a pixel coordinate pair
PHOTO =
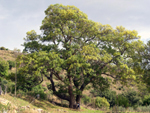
(0, 90)
(5, 89)
(16, 79)
(72, 102)
(78, 99)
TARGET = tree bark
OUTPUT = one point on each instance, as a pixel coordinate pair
(62, 96)
(78, 99)
(0, 90)
(5, 89)
(72, 103)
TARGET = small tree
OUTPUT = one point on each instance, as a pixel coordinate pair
(4, 67)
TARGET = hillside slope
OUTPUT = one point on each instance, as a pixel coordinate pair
(21, 105)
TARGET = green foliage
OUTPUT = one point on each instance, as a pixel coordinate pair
(3, 48)
(109, 95)
(122, 101)
(146, 100)
(146, 64)
(31, 43)
(8, 84)
(4, 67)
(86, 99)
(81, 48)
(11, 64)
(26, 82)
(102, 102)
(129, 98)
(133, 97)
(39, 90)
(2, 107)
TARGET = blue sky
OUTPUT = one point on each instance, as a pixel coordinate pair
(19, 16)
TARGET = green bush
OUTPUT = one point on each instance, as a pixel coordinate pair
(11, 76)
(39, 90)
(133, 97)
(86, 99)
(2, 48)
(4, 67)
(109, 95)
(8, 84)
(122, 101)
(25, 80)
(146, 100)
(102, 102)
(11, 64)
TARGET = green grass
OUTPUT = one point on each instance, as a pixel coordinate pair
(45, 105)
(2, 107)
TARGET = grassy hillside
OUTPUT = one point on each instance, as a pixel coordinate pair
(22, 105)
(8, 55)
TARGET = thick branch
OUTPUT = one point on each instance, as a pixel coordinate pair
(37, 83)
(62, 96)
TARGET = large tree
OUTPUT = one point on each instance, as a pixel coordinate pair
(74, 51)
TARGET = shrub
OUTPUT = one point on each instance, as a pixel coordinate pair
(86, 99)
(38, 90)
(11, 76)
(109, 95)
(122, 101)
(4, 67)
(6, 84)
(2, 48)
(102, 102)
(133, 97)
(143, 109)
(11, 64)
(146, 100)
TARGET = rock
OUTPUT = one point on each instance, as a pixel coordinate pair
(40, 110)
(28, 107)
(23, 107)
(5, 111)
(58, 109)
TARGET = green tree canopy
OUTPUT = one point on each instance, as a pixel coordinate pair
(78, 52)
(146, 64)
